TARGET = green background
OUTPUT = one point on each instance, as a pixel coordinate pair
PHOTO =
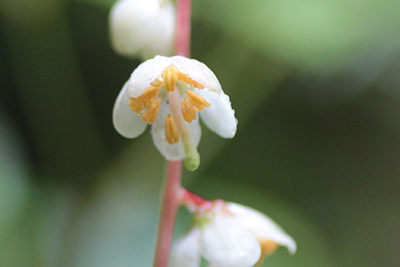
(315, 87)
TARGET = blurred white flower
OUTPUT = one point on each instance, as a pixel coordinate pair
(142, 27)
(230, 235)
(168, 93)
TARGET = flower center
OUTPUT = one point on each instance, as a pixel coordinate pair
(147, 105)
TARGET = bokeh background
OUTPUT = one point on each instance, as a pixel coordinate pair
(315, 86)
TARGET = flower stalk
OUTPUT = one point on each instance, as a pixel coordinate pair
(173, 191)
(170, 203)
(183, 27)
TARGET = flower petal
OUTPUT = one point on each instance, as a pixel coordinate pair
(127, 122)
(225, 242)
(142, 26)
(219, 117)
(262, 226)
(197, 71)
(163, 39)
(186, 252)
(174, 151)
(145, 74)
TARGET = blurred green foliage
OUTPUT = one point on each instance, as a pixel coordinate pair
(315, 87)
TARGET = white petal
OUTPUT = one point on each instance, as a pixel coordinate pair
(135, 25)
(186, 252)
(163, 41)
(262, 226)
(127, 122)
(219, 117)
(143, 75)
(197, 71)
(225, 242)
(175, 151)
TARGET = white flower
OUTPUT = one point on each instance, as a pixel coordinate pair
(230, 235)
(144, 27)
(168, 93)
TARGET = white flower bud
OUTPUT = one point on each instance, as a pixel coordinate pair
(142, 27)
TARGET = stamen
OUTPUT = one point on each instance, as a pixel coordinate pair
(188, 110)
(150, 92)
(147, 100)
(197, 100)
(186, 78)
(158, 82)
(170, 76)
(141, 102)
(171, 131)
(267, 248)
(152, 111)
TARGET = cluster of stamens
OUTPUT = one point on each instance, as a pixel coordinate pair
(147, 105)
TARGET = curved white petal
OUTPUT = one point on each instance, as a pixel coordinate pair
(219, 117)
(174, 151)
(186, 252)
(226, 242)
(195, 130)
(127, 122)
(146, 73)
(136, 25)
(262, 226)
(163, 40)
(197, 71)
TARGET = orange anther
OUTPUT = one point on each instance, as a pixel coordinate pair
(188, 110)
(147, 100)
(136, 107)
(171, 131)
(152, 111)
(197, 100)
(186, 78)
(157, 82)
(170, 76)
(267, 248)
(138, 104)
(150, 92)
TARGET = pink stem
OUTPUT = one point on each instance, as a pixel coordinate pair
(183, 28)
(192, 201)
(172, 196)
(173, 191)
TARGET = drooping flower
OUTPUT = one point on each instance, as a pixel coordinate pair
(230, 235)
(168, 93)
(142, 27)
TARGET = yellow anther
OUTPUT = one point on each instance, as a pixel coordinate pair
(141, 102)
(267, 248)
(186, 78)
(171, 131)
(152, 111)
(188, 110)
(170, 76)
(147, 100)
(150, 92)
(137, 107)
(157, 82)
(197, 100)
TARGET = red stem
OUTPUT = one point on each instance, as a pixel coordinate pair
(173, 192)
(183, 28)
(192, 201)
(172, 195)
